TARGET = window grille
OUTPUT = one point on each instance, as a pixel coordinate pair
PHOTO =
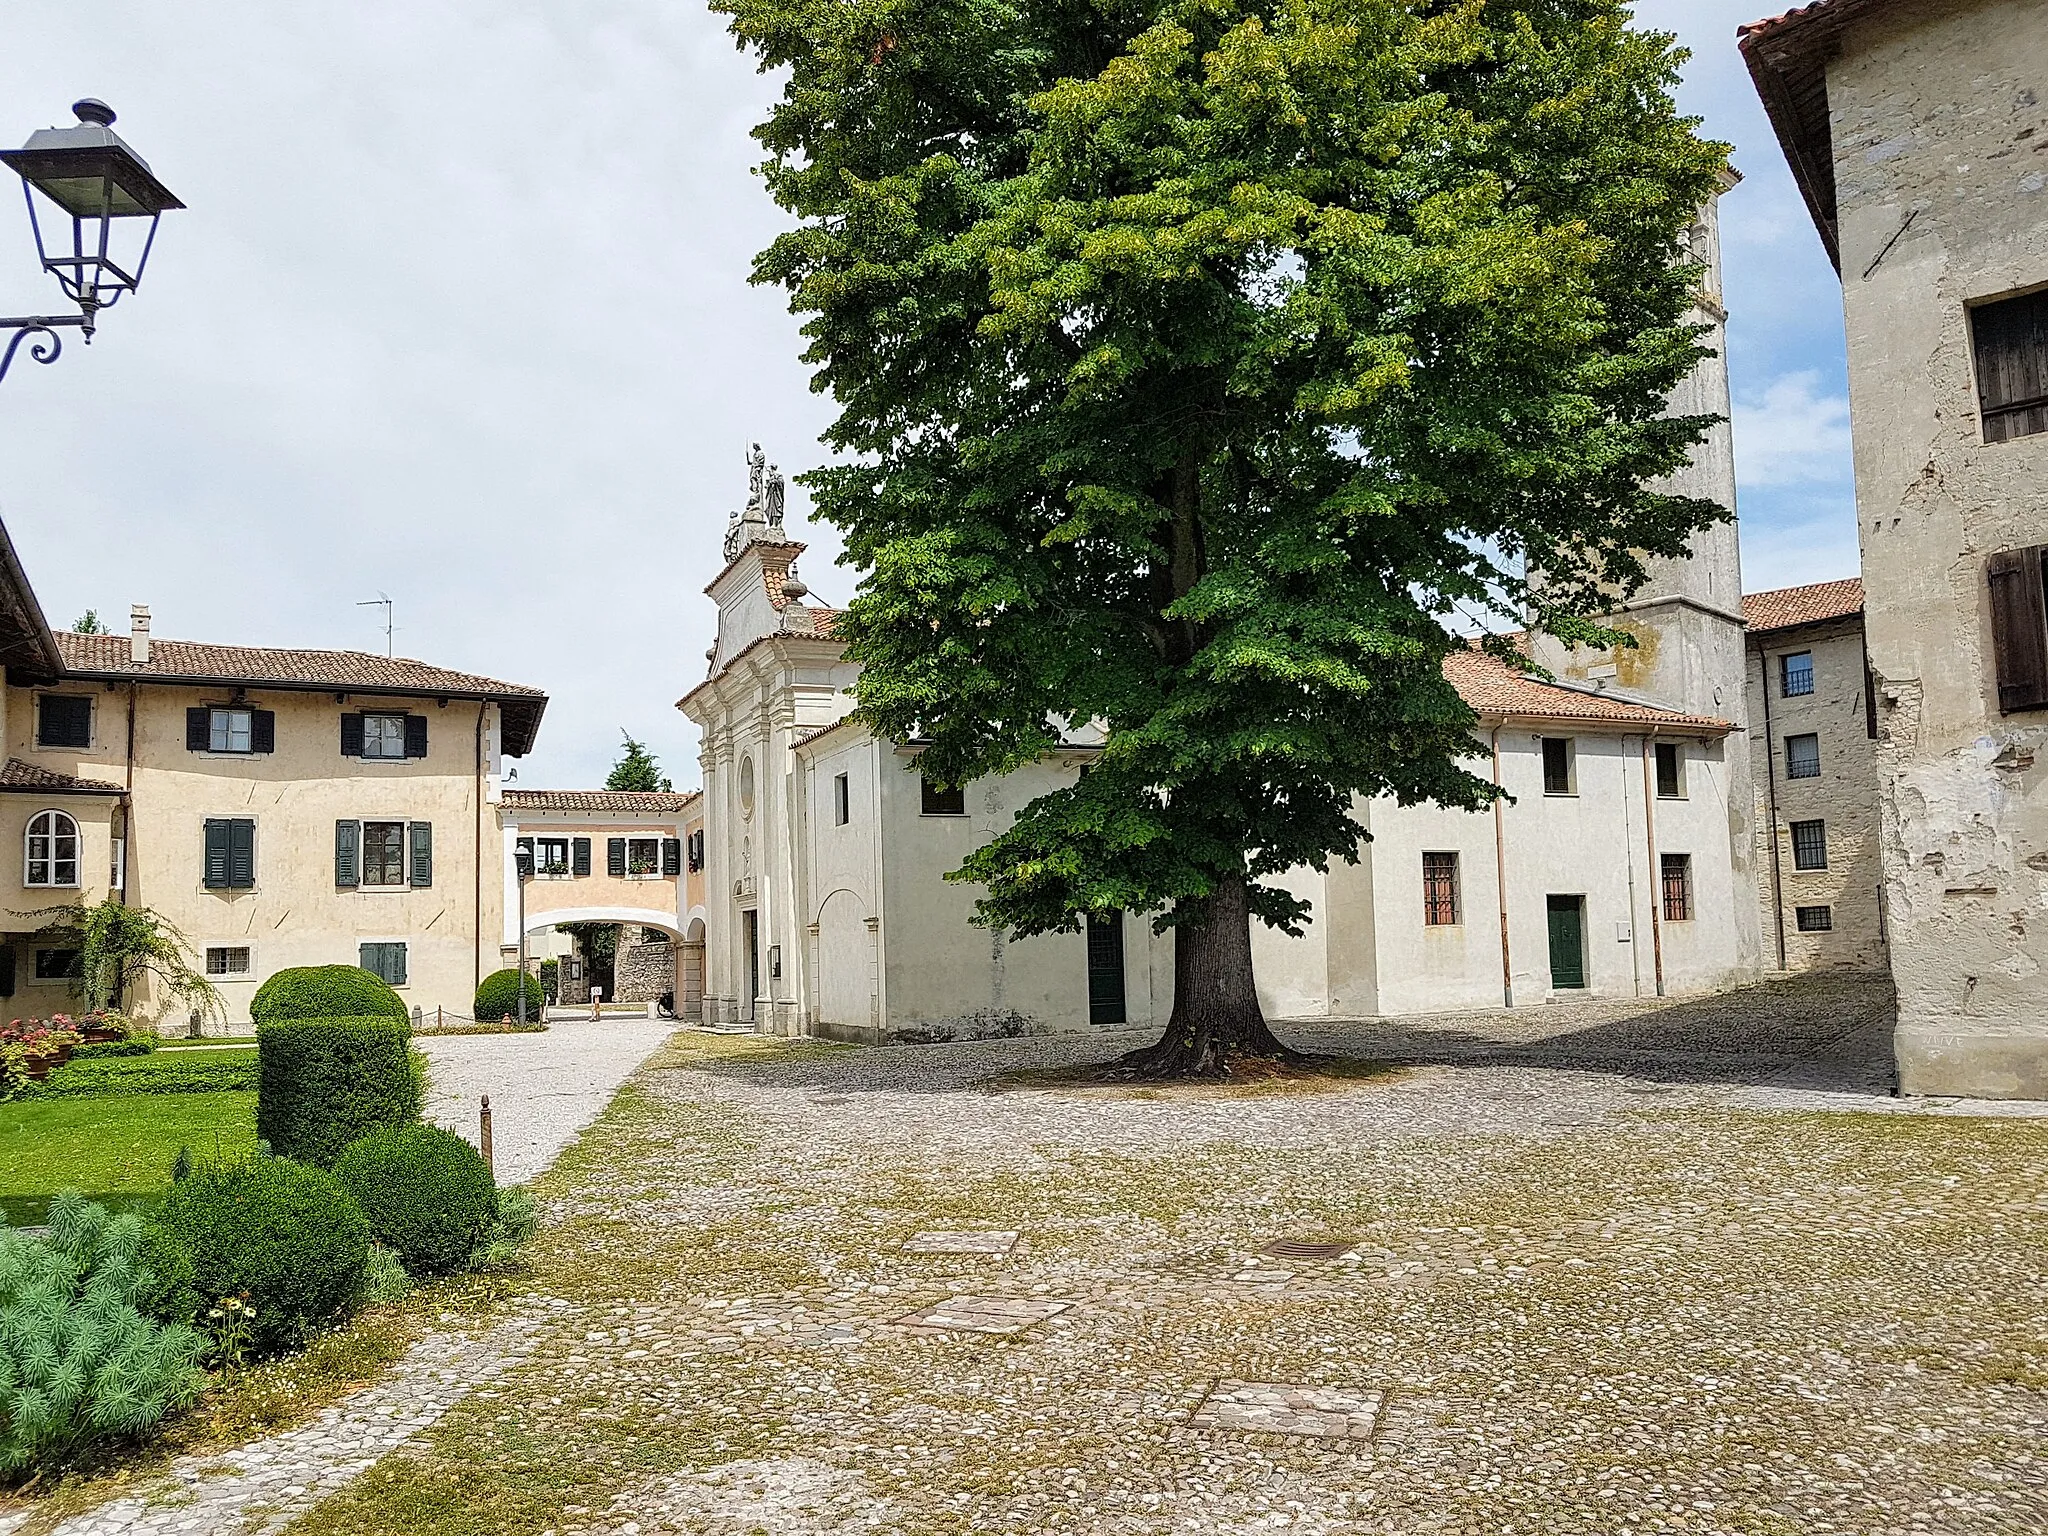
(1816, 919)
(1809, 845)
(1802, 757)
(1440, 890)
(1795, 674)
(1677, 872)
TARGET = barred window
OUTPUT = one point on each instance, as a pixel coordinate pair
(1816, 919)
(1677, 871)
(1802, 757)
(1440, 890)
(1796, 674)
(1809, 845)
(227, 960)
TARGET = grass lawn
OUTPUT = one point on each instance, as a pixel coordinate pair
(115, 1149)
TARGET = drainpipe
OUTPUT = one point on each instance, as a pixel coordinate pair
(1500, 881)
(1656, 874)
(1763, 662)
(128, 802)
(476, 864)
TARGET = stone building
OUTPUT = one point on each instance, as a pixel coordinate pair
(1916, 133)
(1813, 760)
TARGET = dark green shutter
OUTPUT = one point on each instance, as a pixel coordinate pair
(579, 855)
(415, 735)
(351, 739)
(394, 964)
(217, 834)
(198, 728)
(241, 854)
(262, 730)
(615, 857)
(422, 853)
(671, 855)
(348, 847)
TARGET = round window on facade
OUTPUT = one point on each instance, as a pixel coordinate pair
(746, 786)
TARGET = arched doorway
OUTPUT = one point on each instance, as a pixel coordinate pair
(690, 972)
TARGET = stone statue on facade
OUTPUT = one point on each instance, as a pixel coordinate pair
(774, 498)
(757, 469)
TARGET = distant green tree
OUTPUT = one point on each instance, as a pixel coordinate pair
(637, 770)
(89, 624)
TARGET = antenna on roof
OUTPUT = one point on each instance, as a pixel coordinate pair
(384, 602)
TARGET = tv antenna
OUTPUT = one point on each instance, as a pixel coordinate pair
(381, 600)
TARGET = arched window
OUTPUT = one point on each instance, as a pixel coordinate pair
(52, 857)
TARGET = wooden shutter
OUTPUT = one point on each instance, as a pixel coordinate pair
(422, 853)
(262, 730)
(2019, 628)
(615, 857)
(415, 735)
(348, 847)
(2011, 340)
(671, 855)
(579, 855)
(216, 868)
(241, 854)
(351, 737)
(198, 728)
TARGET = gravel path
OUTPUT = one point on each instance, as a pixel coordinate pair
(544, 1088)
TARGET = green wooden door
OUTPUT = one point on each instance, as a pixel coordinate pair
(1567, 941)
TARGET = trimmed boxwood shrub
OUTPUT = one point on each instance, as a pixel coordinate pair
(427, 1194)
(498, 997)
(286, 1235)
(326, 992)
(323, 1083)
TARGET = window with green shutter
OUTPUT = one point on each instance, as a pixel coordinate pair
(422, 853)
(383, 960)
(348, 854)
(615, 857)
(230, 856)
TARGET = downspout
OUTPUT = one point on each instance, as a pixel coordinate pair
(1656, 875)
(476, 863)
(128, 802)
(1500, 880)
(1771, 779)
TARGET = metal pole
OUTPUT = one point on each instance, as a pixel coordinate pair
(483, 1125)
(521, 988)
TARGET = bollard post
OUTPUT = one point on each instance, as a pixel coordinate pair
(483, 1121)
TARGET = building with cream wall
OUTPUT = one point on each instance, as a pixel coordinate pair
(1915, 132)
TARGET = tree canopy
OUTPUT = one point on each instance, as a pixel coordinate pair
(1206, 370)
(636, 769)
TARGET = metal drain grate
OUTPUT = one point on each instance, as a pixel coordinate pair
(1301, 1249)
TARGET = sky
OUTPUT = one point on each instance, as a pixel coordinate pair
(458, 313)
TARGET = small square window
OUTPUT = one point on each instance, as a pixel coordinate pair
(228, 960)
(841, 808)
(551, 857)
(1809, 845)
(229, 730)
(1795, 674)
(643, 856)
(940, 801)
(57, 965)
(1802, 757)
(384, 736)
(1557, 765)
(63, 720)
(1670, 771)
(384, 961)
(1816, 919)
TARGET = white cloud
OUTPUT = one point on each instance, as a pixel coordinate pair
(1792, 434)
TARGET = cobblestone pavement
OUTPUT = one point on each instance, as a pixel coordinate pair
(1601, 1268)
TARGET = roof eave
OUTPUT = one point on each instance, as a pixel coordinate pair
(18, 601)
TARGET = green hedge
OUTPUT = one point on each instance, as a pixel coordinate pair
(194, 1072)
(285, 1235)
(323, 1083)
(134, 1045)
(427, 1194)
(498, 997)
(326, 992)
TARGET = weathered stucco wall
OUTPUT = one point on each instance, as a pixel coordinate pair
(1941, 114)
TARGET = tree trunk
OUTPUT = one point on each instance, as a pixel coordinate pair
(1216, 1013)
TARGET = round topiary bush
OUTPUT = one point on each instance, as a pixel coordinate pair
(326, 992)
(323, 1083)
(498, 997)
(285, 1235)
(427, 1195)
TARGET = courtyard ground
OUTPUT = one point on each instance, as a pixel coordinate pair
(1595, 1269)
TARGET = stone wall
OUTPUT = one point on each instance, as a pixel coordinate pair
(1843, 798)
(643, 971)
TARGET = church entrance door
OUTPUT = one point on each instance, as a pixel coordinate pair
(750, 941)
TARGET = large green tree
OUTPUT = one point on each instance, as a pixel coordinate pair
(636, 769)
(1203, 368)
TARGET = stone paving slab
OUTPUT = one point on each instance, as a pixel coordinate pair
(992, 1243)
(1283, 1408)
(985, 1314)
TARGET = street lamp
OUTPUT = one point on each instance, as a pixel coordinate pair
(522, 863)
(105, 191)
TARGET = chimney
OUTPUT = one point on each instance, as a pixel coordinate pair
(138, 634)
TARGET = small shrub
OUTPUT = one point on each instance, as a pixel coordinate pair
(78, 1359)
(384, 1279)
(551, 981)
(167, 1292)
(167, 1072)
(518, 1219)
(323, 1083)
(134, 1045)
(285, 1236)
(498, 997)
(427, 1194)
(326, 992)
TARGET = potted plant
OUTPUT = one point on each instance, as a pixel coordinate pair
(103, 1027)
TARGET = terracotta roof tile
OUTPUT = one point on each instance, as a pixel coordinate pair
(344, 671)
(1492, 687)
(1812, 604)
(18, 777)
(613, 800)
